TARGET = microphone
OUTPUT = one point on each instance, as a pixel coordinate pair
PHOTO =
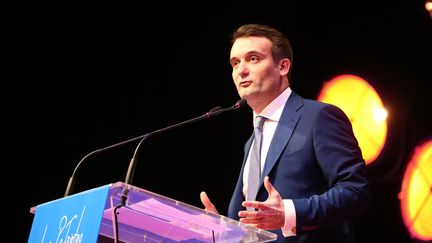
(214, 111)
(132, 164)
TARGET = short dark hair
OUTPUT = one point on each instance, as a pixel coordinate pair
(281, 47)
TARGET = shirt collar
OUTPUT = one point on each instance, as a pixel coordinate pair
(273, 111)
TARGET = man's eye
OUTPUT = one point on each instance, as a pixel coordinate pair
(253, 59)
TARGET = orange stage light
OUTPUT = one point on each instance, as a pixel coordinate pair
(363, 106)
(428, 6)
(416, 193)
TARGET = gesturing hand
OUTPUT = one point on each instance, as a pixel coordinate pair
(207, 203)
(270, 214)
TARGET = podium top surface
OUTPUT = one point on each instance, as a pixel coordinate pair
(156, 218)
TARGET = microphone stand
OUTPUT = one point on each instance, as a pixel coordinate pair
(132, 164)
(71, 182)
(212, 112)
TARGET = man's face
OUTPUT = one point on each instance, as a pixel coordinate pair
(256, 75)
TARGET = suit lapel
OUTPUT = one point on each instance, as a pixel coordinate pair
(283, 133)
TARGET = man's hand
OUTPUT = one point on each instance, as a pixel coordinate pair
(270, 214)
(207, 203)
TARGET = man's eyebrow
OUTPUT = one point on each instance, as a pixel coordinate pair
(253, 52)
(233, 58)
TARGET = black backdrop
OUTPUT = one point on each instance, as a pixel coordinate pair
(85, 77)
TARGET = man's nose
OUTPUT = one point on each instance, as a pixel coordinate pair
(243, 69)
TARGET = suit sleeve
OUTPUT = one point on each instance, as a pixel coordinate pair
(340, 159)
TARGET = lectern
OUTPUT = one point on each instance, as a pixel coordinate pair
(147, 217)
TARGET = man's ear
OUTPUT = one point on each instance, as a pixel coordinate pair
(284, 66)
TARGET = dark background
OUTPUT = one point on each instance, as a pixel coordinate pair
(85, 77)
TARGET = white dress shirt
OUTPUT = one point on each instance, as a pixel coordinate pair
(273, 113)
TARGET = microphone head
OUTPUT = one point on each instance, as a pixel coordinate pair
(241, 103)
(215, 109)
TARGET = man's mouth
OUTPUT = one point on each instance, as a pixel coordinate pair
(245, 83)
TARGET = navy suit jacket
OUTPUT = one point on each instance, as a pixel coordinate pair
(314, 159)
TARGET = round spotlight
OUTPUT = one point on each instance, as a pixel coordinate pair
(428, 6)
(416, 193)
(363, 106)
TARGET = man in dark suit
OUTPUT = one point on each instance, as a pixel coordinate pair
(313, 178)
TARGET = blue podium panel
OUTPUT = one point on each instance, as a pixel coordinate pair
(146, 217)
(73, 219)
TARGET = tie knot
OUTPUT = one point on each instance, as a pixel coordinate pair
(259, 121)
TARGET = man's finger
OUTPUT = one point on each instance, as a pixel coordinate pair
(254, 204)
(248, 214)
(207, 203)
(268, 186)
